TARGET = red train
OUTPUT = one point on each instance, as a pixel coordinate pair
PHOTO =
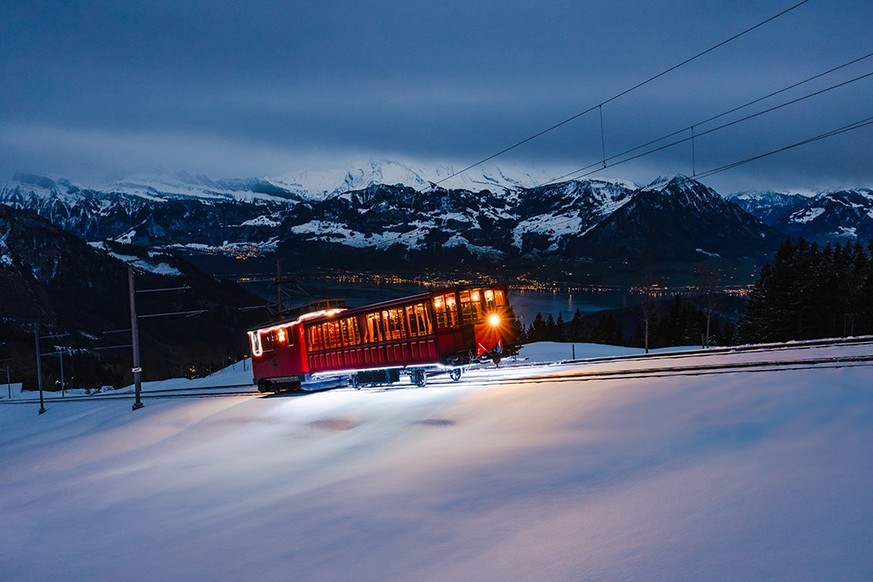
(328, 346)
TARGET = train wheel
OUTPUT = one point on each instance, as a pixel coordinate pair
(455, 374)
(419, 378)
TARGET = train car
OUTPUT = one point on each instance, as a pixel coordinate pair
(443, 330)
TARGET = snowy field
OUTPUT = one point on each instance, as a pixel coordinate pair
(745, 475)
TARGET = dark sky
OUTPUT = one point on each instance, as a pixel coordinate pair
(94, 90)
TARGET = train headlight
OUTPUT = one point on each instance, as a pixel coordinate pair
(494, 320)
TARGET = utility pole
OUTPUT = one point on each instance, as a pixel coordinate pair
(63, 387)
(134, 332)
(38, 368)
(134, 329)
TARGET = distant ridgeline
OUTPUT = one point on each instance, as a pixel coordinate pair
(591, 231)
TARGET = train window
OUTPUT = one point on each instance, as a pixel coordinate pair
(417, 321)
(319, 333)
(439, 309)
(268, 342)
(373, 329)
(489, 299)
(423, 319)
(451, 310)
(476, 299)
(355, 330)
(411, 323)
(446, 310)
(332, 337)
(471, 306)
(499, 297)
(466, 307)
(323, 336)
(347, 335)
(344, 331)
(315, 343)
(255, 338)
(386, 329)
(395, 323)
(349, 327)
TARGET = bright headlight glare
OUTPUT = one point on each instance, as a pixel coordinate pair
(493, 320)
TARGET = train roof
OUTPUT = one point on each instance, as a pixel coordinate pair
(329, 313)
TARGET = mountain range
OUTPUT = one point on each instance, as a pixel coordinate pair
(389, 216)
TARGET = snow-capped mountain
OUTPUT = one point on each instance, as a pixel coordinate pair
(384, 212)
(770, 206)
(677, 219)
(246, 216)
(156, 211)
(327, 183)
(839, 216)
(499, 224)
(184, 186)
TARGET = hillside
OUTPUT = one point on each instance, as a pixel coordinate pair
(747, 475)
(69, 287)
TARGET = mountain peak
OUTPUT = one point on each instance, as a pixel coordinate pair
(674, 182)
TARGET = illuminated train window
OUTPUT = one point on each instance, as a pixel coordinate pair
(393, 319)
(471, 306)
(373, 328)
(446, 310)
(255, 339)
(417, 320)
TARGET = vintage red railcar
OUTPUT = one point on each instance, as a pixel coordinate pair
(328, 346)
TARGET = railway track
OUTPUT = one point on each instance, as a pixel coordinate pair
(696, 370)
(803, 357)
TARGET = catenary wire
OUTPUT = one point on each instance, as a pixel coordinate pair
(827, 134)
(622, 93)
(707, 120)
(852, 126)
(578, 173)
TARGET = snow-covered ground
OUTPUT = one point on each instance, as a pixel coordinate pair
(747, 475)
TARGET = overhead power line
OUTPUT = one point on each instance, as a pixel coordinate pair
(622, 93)
(827, 134)
(692, 127)
(834, 132)
(579, 172)
(726, 167)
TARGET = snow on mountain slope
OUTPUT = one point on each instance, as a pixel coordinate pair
(836, 215)
(326, 183)
(769, 206)
(159, 187)
(491, 211)
(677, 218)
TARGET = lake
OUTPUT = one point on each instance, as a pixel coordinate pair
(526, 304)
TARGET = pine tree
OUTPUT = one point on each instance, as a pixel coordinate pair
(550, 332)
(537, 330)
(576, 329)
(560, 333)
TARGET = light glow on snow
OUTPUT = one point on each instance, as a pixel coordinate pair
(743, 475)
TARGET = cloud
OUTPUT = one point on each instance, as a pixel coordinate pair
(263, 87)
